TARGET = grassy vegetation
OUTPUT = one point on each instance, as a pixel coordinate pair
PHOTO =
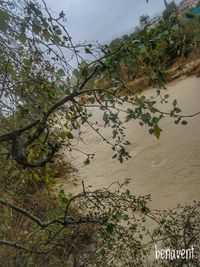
(171, 45)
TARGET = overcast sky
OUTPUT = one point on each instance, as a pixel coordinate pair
(102, 20)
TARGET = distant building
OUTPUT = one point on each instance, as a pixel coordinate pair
(196, 11)
(185, 6)
(154, 22)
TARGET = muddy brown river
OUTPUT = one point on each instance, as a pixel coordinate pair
(168, 168)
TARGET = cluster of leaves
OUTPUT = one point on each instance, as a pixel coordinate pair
(110, 223)
(44, 102)
(159, 47)
(31, 190)
(170, 10)
(35, 65)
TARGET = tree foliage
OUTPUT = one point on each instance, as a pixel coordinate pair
(48, 86)
(169, 11)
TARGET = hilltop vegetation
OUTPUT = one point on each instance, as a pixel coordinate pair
(145, 57)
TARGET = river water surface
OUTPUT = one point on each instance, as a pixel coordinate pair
(168, 168)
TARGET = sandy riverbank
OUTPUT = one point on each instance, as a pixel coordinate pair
(168, 169)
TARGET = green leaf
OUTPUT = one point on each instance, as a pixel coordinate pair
(46, 34)
(69, 135)
(177, 110)
(88, 51)
(65, 200)
(63, 197)
(84, 69)
(174, 102)
(61, 72)
(91, 100)
(120, 159)
(110, 228)
(114, 156)
(27, 62)
(15, 173)
(58, 31)
(22, 38)
(56, 39)
(197, 37)
(63, 135)
(103, 252)
(87, 161)
(4, 18)
(34, 8)
(105, 117)
(157, 131)
(166, 96)
(151, 131)
(184, 122)
(36, 27)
